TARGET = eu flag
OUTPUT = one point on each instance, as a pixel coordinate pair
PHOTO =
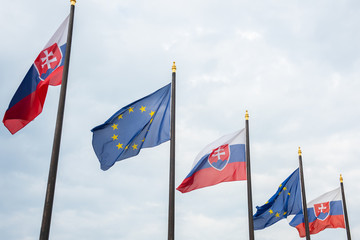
(286, 201)
(142, 124)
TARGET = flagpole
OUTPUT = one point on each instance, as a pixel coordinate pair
(171, 217)
(248, 176)
(345, 209)
(50, 190)
(307, 231)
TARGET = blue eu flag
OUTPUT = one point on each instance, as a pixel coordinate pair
(142, 124)
(286, 201)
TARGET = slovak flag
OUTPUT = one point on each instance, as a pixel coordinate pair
(324, 212)
(28, 101)
(220, 161)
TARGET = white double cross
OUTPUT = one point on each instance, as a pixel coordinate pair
(322, 208)
(218, 152)
(46, 60)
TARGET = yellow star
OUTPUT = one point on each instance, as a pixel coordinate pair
(285, 213)
(152, 113)
(280, 186)
(277, 215)
(143, 140)
(114, 137)
(288, 193)
(267, 202)
(151, 120)
(131, 109)
(134, 146)
(120, 116)
(127, 147)
(271, 211)
(284, 188)
(114, 126)
(119, 146)
(142, 109)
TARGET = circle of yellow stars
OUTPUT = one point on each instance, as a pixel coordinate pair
(271, 211)
(115, 126)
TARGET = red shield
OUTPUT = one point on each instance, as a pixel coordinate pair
(219, 157)
(48, 59)
(322, 210)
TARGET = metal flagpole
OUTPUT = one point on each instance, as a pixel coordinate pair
(345, 209)
(248, 176)
(171, 217)
(307, 231)
(49, 199)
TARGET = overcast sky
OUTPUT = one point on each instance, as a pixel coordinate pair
(294, 65)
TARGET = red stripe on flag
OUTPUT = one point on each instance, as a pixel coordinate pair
(28, 108)
(235, 171)
(332, 221)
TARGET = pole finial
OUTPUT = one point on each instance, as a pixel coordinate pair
(299, 151)
(246, 115)
(72, 2)
(173, 67)
(341, 178)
